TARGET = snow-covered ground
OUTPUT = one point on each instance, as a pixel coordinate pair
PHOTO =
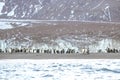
(5, 25)
(10, 25)
(67, 69)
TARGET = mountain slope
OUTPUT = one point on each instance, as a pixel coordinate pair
(83, 10)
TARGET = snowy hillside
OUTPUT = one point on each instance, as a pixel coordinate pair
(83, 10)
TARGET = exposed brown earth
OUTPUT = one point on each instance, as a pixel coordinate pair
(40, 30)
(60, 56)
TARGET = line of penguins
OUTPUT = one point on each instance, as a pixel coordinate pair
(54, 51)
(49, 51)
(112, 50)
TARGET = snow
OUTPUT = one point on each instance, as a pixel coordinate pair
(37, 8)
(1, 6)
(107, 12)
(72, 11)
(23, 14)
(9, 24)
(12, 12)
(20, 23)
(104, 44)
(5, 25)
(61, 5)
(2, 44)
(60, 69)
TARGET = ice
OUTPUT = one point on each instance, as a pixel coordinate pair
(1, 6)
(60, 69)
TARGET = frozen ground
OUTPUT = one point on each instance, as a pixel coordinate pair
(67, 69)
